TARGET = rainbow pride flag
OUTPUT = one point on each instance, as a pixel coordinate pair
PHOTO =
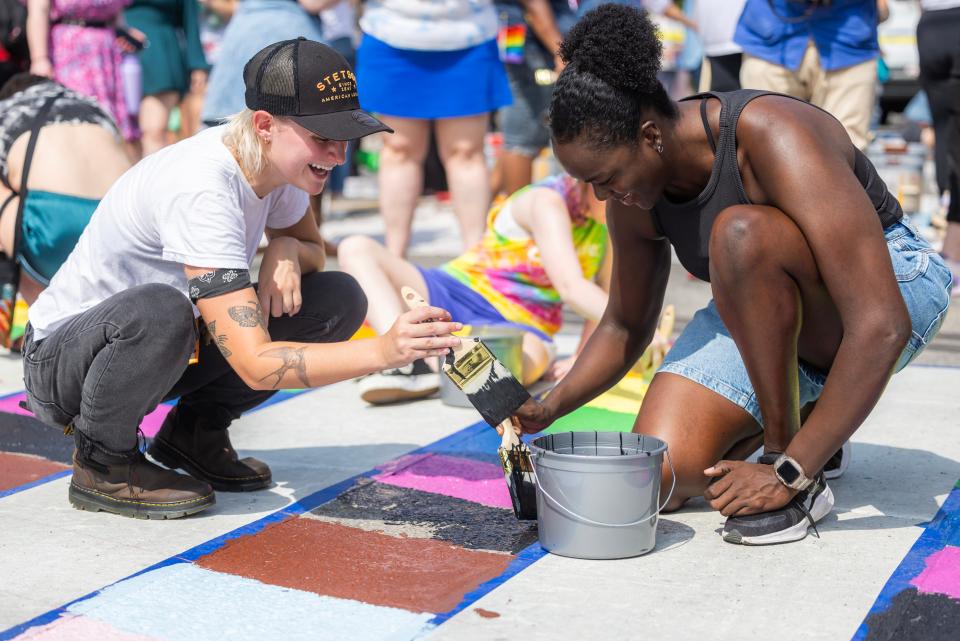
(510, 40)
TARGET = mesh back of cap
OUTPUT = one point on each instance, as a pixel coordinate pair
(272, 74)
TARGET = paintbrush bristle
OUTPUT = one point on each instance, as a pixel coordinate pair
(491, 388)
(518, 471)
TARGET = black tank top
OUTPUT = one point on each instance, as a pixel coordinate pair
(687, 225)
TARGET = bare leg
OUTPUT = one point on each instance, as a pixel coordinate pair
(460, 141)
(517, 171)
(154, 116)
(381, 274)
(536, 358)
(770, 296)
(401, 177)
(951, 242)
(698, 425)
(29, 288)
(190, 108)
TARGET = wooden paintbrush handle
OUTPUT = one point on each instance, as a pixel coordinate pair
(412, 298)
(510, 437)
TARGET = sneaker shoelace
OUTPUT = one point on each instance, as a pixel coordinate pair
(800, 500)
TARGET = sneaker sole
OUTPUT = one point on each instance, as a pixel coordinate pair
(835, 473)
(173, 458)
(385, 396)
(821, 507)
(93, 501)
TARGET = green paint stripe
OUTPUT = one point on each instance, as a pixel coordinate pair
(593, 419)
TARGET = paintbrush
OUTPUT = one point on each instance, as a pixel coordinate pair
(518, 471)
(493, 390)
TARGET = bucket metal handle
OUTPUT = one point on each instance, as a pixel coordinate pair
(584, 519)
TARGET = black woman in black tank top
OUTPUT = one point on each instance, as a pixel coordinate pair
(762, 195)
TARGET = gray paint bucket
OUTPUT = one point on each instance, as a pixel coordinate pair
(598, 493)
(506, 343)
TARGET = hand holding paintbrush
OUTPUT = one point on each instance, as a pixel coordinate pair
(496, 394)
(420, 333)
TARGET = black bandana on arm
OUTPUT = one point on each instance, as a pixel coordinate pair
(217, 283)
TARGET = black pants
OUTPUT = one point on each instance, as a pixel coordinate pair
(106, 368)
(725, 72)
(938, 44)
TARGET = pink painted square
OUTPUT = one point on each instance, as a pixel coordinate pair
(72, 628)
(150, 425)
(942, 574)
(451, 476)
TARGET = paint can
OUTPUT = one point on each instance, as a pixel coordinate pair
(506, 343)
(598, 493)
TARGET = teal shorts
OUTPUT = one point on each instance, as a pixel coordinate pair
(706, 354)
(52, 224)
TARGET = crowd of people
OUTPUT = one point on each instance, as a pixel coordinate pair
(134, 245)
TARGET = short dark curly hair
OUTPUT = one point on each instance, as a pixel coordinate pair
(613, 58)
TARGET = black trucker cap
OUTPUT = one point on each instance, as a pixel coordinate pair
(311, 84)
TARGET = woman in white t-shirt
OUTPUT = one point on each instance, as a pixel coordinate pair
(113, 333)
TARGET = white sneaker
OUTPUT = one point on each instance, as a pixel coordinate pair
(838, 463)
(407, 383)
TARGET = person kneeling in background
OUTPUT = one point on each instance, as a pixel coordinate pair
(542, 248)
(59, 154)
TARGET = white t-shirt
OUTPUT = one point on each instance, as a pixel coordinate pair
(717, 20)
(937, 5)
(188, 204)
(339, 21)
(430, 25)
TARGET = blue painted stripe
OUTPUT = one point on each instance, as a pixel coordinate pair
(39, 481)
(469, 439)
(279, 397)
(944, 529)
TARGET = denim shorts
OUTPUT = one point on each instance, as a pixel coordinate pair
(706, 354)
(524, 123)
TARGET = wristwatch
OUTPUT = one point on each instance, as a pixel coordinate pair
(790, 473)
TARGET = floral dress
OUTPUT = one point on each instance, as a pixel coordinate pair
(85, 56)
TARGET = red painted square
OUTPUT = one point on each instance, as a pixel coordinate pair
(17, 469)
(421, 575)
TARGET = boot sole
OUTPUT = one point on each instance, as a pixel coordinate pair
(93, 501)
(388, 396)
(173, 458)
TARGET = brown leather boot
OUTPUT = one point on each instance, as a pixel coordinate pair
(133, 486)
(205, 452)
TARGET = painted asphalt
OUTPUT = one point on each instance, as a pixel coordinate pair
(392, 523)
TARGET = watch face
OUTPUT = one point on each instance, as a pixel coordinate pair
(788, 472)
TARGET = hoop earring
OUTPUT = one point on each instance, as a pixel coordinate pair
(659, 147)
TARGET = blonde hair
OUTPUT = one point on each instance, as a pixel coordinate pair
(242, 139)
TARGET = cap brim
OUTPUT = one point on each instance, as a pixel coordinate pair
(342, 125)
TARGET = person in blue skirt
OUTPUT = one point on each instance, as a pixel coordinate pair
(444, 71)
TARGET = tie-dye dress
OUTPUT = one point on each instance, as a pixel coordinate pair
(508, 271)
(85, 56)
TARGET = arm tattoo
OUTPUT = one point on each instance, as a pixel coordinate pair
(221, 340)
(248, 316)
(292, 360)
